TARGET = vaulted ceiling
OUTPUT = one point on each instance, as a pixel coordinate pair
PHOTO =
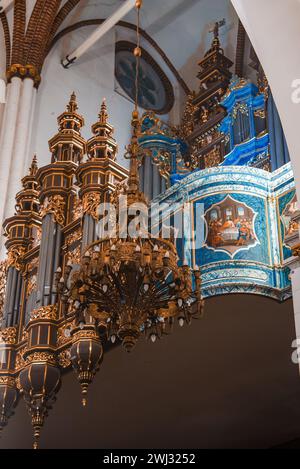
(180, 27)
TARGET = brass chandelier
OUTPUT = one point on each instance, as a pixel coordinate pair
(70, 290)
(132, 286)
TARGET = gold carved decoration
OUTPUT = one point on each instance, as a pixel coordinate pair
(205, 115)
(187, 126)
(55, 205)
(91, 202)
(45, 312)
(20, 360)
(294, 226)
(8, 381)
(24, 71)
(24, 335)
(33, 264)
(296, 251)
(64, 335)
(240, 107)
(78, 209)
(212, 158)
(41, 357)
(64, 359)
(3, 273)
(31, 285)
(38, 237)
(152, 125)
(163, 161)
(263, 84)
(75, 255)
(85, 335)
(15, 257)
(73, 237)
(8, 335)
(260, 113)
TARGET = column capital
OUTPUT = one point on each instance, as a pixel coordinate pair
(24, 71)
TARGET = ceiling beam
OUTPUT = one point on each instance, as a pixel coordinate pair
(98, 33)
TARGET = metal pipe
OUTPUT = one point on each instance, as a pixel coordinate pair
(98, 33)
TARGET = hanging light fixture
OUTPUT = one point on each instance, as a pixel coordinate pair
(133, 285)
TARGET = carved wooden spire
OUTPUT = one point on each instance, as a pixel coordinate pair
(103, 143)
(67, 144)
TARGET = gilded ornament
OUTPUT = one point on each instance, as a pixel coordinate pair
(63, 335)
(33, 264)
(20, 360)
(15, 257)
(7, 381)
(8, 335)
(242, 108)
(212, 158)
(294, 226)
(64, 359)
(74, 256)
(84, 334)
(45, 312)
(91, 202)
(162, 160)
(296, 251)
(37, 238)
(41, 357)
(73, 237)
(260, 113)
(187, 126)
(55, 205)
(31, 285)
(152, 125)
(78, 209)
(21, 71)
(24, 335)
(3, 273)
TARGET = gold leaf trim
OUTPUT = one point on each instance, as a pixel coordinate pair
(45, 312)
(8, 335)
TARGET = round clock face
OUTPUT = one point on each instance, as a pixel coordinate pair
(155, 90)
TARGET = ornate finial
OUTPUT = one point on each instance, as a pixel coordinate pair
(36, 437)
(133, 152)
(84, 388)
(103, 115)
(102, 144)
(72, 106)
(34, 167)
(215, 30)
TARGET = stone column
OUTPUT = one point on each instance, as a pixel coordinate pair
(7, 138)
(19, 153)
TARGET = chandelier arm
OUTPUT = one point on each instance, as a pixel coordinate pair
(98, 290)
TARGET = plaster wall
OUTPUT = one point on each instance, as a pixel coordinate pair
(274, 31)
